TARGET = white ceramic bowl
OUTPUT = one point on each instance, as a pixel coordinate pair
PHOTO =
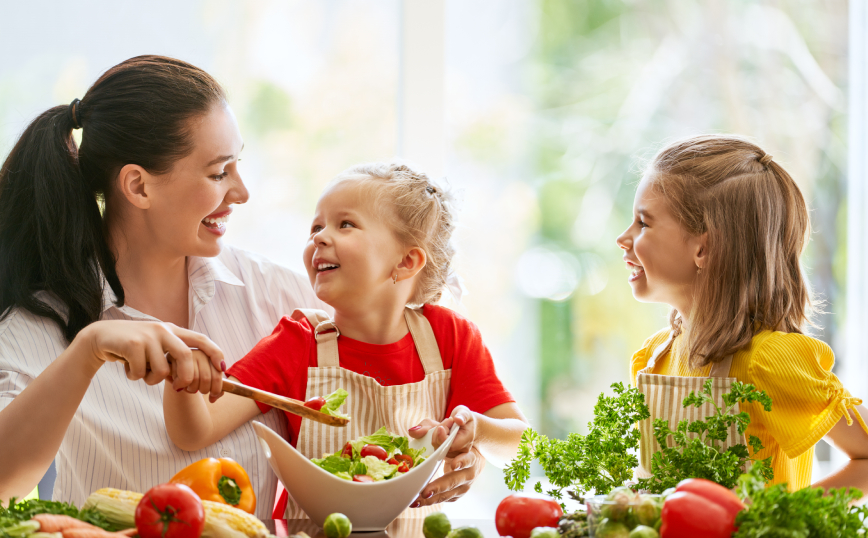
(370, 506)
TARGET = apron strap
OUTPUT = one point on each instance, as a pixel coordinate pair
(423, 337)
(654, 356)
(721, 368)
(325, 332)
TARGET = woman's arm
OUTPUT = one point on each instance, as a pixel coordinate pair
(193, 423)
(852, 441)
(493, 435)
(34, 424)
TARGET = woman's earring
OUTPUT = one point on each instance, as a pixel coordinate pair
(395, 278)
(699, 270)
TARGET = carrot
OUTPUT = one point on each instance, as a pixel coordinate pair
(129, 532)
(94, 532)
(59, 523)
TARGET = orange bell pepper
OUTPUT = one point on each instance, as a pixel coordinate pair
(223, 481)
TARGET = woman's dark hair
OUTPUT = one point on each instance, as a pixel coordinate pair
(52, 233)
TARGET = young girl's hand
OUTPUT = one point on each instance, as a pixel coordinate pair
(463, 463)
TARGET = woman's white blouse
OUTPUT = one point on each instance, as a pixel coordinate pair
(118, 437)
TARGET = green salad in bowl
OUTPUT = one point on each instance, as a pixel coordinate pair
(372, 458)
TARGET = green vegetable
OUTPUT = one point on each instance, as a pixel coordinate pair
(611, 529)
(379, 469)
(21, 529)
(17, 513)
(574, 525)
(334, 464)
(695, 449)
(337, 526)
(599, 461)
(465, 532)
(643, 532)
(333, 401)
(618, 503)
(774, 512)
(545, 532)
(648, 511)
(436, 525)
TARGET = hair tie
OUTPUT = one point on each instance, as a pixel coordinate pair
(765, 159)
(430, 189)
(75, 113)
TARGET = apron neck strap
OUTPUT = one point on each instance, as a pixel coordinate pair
(326, 334)
(721, 368)
(423, 337)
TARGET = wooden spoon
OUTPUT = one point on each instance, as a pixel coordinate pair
(285, 404)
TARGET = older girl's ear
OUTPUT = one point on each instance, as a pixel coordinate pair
(700, 249)
(414, 260)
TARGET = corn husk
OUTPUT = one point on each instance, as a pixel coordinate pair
(221, 520)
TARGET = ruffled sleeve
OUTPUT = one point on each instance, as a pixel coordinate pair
(807, 398)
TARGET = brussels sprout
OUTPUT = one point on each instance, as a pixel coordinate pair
(648, 511)
(465, 532)
(611, 529)
(667, 492)
(544, 532)
(643, 532)
(618, 503)
(436, 526)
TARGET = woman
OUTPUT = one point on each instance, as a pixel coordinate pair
(160, 149)
(143, 276)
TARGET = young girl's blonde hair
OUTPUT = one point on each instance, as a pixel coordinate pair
(757, 225)
(422, 215)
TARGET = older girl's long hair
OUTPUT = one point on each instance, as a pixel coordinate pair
(757, 224)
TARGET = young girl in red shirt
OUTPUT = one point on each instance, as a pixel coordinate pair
(380, 254)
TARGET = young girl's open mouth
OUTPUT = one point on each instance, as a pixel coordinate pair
(323, 266)
(636, 271)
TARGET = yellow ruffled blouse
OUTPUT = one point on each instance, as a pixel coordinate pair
(796, 371)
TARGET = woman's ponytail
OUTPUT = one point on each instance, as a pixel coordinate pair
(52, 234)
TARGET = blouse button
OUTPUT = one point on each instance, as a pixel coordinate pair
(226, 452)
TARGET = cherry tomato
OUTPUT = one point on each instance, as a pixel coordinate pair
(376, 451)
(406, 459)
(315, 403)
(520, 513)
(362, 478)
(403, 468)
(392, 461)
(347, 452)
(170, 511)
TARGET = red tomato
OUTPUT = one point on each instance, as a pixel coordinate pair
(403, 468)
(392, 461)
(362, 478)
(376, 451)
(715, 493)
(687, 515)
(315, 403)
(520, 513)
(406, 459)
(347, 452)
(170, 511)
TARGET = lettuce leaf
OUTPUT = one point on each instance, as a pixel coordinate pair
(333, 403)
(379, 469)
(334, 464)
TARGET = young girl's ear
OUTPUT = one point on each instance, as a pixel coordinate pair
(700, 255)
(412, 262)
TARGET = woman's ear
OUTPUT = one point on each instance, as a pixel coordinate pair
(414, 260)
(132, 183)
(700, 256)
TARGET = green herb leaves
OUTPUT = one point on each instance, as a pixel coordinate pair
(598, 461)
(696, 448)
(807, 513)
(12, 517)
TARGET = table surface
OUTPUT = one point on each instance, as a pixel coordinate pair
(400, 528)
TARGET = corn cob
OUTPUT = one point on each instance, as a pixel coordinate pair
(221, 520)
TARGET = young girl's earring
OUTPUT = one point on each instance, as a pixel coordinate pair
(395, 278)
(699, 270)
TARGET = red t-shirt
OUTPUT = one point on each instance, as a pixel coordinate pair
(278, 363)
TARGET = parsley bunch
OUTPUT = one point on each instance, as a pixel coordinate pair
(601, 460)
(696, 449)
(774, 512)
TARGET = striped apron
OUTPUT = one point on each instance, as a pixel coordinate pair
(664, 394)
(371, 405)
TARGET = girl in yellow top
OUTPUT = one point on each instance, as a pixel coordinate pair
(717, 233)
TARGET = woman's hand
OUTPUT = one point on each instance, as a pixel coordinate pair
(153, 352)
(463, 462)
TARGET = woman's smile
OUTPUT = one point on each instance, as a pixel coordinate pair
(216, 222)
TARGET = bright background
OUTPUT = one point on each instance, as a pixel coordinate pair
(543, 111)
